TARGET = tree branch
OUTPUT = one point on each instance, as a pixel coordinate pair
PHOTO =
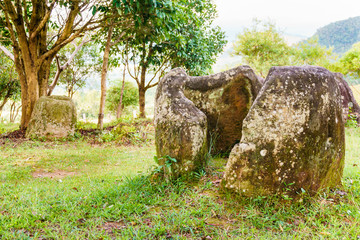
(25, 14)
(118, 39)
(43, 21)
(7, 52)
(77, 49)
(128, 70)
(59, 44)
(157, 71)
(60, 69)
(150, 86)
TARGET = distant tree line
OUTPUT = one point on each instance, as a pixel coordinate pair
(340, 35)
(263, 46)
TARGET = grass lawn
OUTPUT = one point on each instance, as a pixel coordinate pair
(78, 190)
(8, 127)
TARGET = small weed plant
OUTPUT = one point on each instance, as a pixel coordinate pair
(351, 120)
(164, 166)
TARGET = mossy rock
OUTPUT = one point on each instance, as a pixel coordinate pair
(191, 113)
(180, 127)
(293, 136)
(53, 116)
(225, 98)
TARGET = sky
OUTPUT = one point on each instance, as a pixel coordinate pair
(298, 18)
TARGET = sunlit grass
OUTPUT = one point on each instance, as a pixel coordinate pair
(107, 198)
(80, 157)
(8, 127)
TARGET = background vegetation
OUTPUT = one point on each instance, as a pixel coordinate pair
(340, 35)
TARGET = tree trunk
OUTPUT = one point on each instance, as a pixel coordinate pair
(6, 98)
(24, 102)
(119, 108)
(31, 52)
(3, 104)
(14, 111)
(33, 95)
(142, 102)
(12, 107)
(103, 79)
(142, 90)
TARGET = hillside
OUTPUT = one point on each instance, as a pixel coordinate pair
(341, 34)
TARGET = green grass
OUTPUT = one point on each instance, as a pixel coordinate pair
(8, 127)
(108, 198)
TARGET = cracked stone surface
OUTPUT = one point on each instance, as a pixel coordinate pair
(225, 98)
(292, 137)
(192, 112)
(180, 127)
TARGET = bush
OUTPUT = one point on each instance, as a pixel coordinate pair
(128, 133)
(130, 96)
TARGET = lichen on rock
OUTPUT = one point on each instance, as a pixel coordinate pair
(180, 127)
(53, 116)
(292, 137)
(189, 111)
(225, 98)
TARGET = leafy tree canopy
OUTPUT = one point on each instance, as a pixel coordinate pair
(175, 34)
(9, 82)
(168, 34)
(82, 66)
(349, 63)
(262, 47)
(130, 96)
(310, 52)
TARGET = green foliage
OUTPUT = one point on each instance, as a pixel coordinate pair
(9, 82)
(80, 125)
(160, 38)
(349, 63)
(127, 133)
(81, 67)
(262, 47)
(8, 127)
(310, 52)
(130, 96)
(164, 166)
(341, 34)
(351, 121)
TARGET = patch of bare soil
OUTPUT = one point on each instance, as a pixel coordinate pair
(56, 175)
(14, 134)
(110, 227)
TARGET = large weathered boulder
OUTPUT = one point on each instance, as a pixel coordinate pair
(53, 116)
(191, 110)
(350, 106)
(180, 127)
(293, 136)
(225, 98)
